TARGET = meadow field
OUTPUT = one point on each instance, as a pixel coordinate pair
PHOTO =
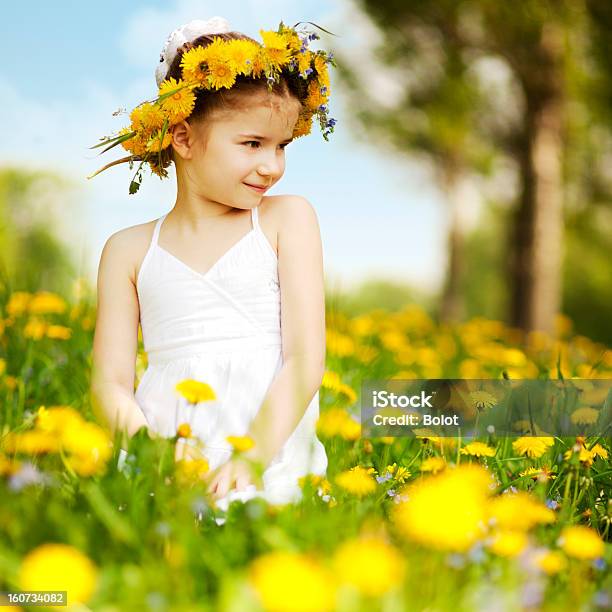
(398, 523)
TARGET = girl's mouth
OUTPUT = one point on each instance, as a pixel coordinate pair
(257, 189)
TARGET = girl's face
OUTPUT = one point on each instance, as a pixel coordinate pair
(238, 148)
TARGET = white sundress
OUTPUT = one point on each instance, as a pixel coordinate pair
(221, 328)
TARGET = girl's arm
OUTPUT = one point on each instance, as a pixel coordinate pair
(300, 269)
(116, 339)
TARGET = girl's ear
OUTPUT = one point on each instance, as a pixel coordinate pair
(183, 139)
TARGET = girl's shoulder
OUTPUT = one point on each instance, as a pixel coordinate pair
(278, 210)
(130, 245)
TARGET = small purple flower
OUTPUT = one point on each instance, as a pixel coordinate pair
(28, 474)
(599, 564)
(552, 504)
(330, 56)
(323, 108)
(308, 71)
(331, 122)
(391, 493)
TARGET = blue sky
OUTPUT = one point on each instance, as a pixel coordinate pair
(73, 64)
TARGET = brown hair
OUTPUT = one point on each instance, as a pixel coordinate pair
(210, 100)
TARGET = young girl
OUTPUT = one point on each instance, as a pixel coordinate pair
(228, 285)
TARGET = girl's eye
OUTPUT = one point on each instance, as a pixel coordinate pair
(257, 143)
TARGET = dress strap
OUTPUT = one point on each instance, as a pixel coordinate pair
(255, 218)
(157, 228)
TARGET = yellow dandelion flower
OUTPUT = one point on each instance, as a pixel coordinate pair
(31, 442)
(478, 449)
(305, 60)
(357, 481)
(314, 99)
(194, 64)
(59, 332)
(148, 117)
(221, 74)
(584, 416)
(59, 567)
(599, 451)
(241, 443)
(18, 303)
(239, 55)
(508, 543)
(180, 101)
(551, 562)
(543, 474)
(581, 543)
(183, 430)
(156, 144)
(56, 419)
(519, 511)
(45, 302)
(399, 473)
(10, 382)
(35, 329)
(433, 465)
(350, 429)
(532, 446)
(275, 48)
(286, 581)
(447, 511)
(135, 145)
(89, 446)
(331, 422)
(369, 564)
(191, 471)
(483, 400)
(8, 466)
(2, 366)
(339, 344)
(195, 391)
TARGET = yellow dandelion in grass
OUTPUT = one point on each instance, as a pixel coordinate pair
(180, 99)
(508, 543)
(338, 422)
(533, 446)
(2, 366)
(551, 562)
(581, 543)
(241, 443)
(194, 64)
(332, 381)
(370, 565)
(518, 511)
(599, 451)
(56, 419)
(191, 471)
(89, 446)
(58, 332)
(478, 449)
(433, 465)
(292, 582)
(195, 391)
(18, 303)
(447, 511)
(584, 416)
(399, 473)
(45, 302)
(59, 567)
(483, 400)
(31, 442)
(275, 48)
(8, 466)
(183, 430)
(358, 481)
(35, 329)
(543, 474)
(156, 143)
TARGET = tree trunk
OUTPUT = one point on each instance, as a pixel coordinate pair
(538, 226)
(452, 306)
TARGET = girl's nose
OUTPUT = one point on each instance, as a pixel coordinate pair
(269, 167)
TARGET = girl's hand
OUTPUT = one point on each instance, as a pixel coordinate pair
(235, 473)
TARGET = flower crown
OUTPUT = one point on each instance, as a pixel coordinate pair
(216, 66)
